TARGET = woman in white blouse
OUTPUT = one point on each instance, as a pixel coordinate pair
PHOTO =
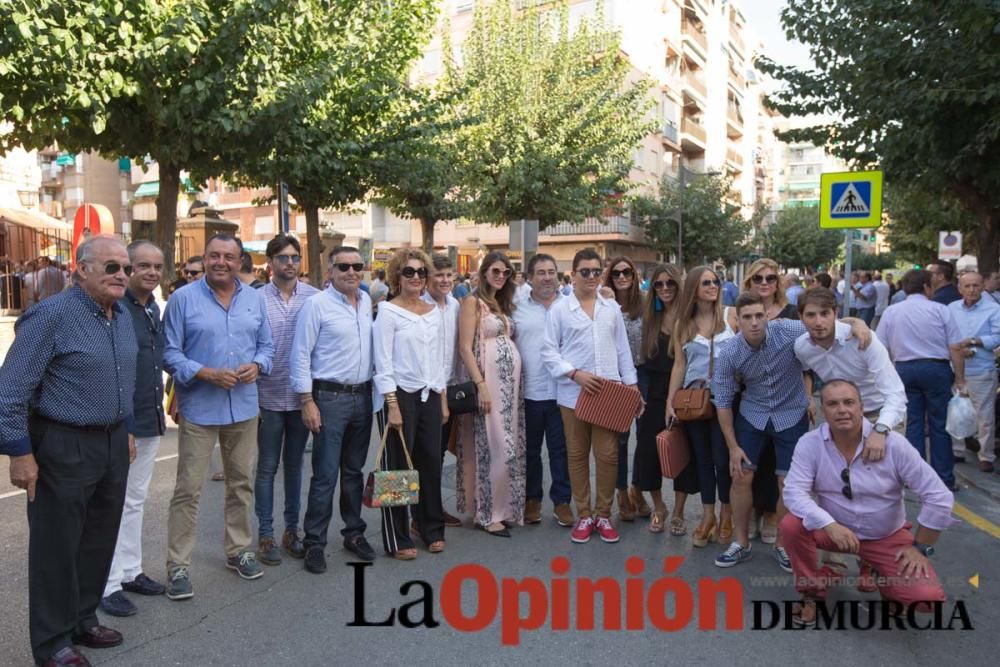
(409, 374)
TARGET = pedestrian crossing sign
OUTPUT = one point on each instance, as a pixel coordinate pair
(850, 200)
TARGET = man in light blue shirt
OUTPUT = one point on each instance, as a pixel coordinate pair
(218, 341)
(978, 319)
(729, 291)
(865, 297)
(794, 289)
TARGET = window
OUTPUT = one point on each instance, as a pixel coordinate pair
(263, 224)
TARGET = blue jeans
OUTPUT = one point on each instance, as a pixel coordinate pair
(340, 448)
(281, 436)
(928, 390)
(867, 314)
(542, 419)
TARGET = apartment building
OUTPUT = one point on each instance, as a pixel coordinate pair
(69, 180)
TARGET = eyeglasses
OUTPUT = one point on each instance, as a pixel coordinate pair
(409, 272)
(845, 477)
(286, 259)
(622, 273)
(344, 267)
(188, 272)
(709, 283)
(496, 273)
(663, 284)
(769, 278)
(112, 268)
(590, 273)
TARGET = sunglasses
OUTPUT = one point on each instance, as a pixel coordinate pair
(192, 273)
(709, 283)
(286, 259)
(344, 267)
(151, 320)
(496, 273)
(112, 268)
(769, 278)
(845, 477)
(590, 273)
(622, 273)
(409, 272)
(663, 284)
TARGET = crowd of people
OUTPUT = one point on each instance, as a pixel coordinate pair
(23, 284)
(816, 424)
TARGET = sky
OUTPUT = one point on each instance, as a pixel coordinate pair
(765, 18)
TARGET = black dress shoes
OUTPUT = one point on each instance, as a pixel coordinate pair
(143, 585)
(359, 547)
(69, 657)
(98, 637)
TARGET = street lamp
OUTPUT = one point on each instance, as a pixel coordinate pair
(680, 206)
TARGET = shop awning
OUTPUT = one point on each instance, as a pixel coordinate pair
(66, 160)
(34, 220)
(152, 189)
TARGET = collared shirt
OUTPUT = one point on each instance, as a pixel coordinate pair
(409, 350)
(881, 296)
(981, 321)
(148, 419)
(876, 510)
(730, 292)
(450, 315)
(792, 294)
(68, 363)
(529, 335)
(772, 375)
(201, 333)
(333, 341)
(867, 297)
(946, 294)
(276, 392)
(870, 369)
(573, 341)
(918, 328)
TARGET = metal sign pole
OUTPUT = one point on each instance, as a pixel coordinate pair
(848, 236)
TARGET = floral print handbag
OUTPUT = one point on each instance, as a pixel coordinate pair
(392, 488)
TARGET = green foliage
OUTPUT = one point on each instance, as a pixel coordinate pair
(863, 261)
(557, 117)
(915, 218)
(914, 85)
(713, 227)
(795, 239)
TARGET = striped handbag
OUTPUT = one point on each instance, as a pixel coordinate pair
(613, 407)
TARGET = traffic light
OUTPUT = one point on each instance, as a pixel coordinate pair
(916, 266)
(872, 238)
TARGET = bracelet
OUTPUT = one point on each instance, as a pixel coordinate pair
(572, 374)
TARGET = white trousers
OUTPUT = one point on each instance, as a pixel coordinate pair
(983, 392)
(127, 563)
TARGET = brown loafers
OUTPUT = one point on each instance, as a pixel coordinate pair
(98, 637)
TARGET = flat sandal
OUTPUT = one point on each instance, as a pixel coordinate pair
(405, 554)
(656, 521)
(678, 527)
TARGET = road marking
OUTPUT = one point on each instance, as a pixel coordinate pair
(979, 522)
(11, 494)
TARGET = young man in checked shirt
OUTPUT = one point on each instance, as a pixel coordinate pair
(775, 406)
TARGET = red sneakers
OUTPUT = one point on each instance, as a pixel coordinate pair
(606, 530)
(583, 529)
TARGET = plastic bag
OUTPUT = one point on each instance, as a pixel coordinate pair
(961, 422)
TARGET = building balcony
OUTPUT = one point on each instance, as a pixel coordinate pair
(694, 37)
(697, 7)
(53, 208)
(693, 135)
(615, 225)
(734, 123)
(671, 137)
(736, 39)
(694, 87)
(734, 159)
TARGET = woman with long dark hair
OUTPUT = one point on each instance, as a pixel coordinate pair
(491, 445)
(701, 328)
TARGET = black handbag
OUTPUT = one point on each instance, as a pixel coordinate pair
(462, 398)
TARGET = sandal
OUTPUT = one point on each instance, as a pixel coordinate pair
(436, 547)
(405, 554)
(678, 527)
(656, 521)
(702, 535)
(804, 613)
(639, 503)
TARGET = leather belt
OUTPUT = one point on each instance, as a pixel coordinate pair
(93, 428)
(336, 387)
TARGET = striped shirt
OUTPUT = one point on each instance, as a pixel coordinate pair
(772, 374)
(275, 391)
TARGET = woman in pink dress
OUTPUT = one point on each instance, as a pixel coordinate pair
(491, 446)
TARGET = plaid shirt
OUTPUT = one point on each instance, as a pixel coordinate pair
(772, 375)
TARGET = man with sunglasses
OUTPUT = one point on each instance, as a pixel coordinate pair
(68, 384)
(218, 344)
(331, 371)
(194, 269)
(281, 434)
(858, 506)
(145, 430)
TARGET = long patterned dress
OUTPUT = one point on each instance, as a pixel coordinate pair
(490, 472)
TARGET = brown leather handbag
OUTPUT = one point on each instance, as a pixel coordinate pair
(695, 403)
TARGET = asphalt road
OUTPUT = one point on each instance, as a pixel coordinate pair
(291, 617)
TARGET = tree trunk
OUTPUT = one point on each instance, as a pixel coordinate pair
(166, 219)
(314, 242)
(988, 256)
(427, 234)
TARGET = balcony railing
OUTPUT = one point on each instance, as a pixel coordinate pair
(614, 225)
(695, 130)
(734, 157)
(695, 83)
(669, 131)
(735, 38)
(691, 29)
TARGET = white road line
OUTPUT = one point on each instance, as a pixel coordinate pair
(12, 494)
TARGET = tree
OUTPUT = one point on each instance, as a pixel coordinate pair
(795, 239)
(915, 90)
(558, 118)
(713, 227)
(182, 82)
(915, 217)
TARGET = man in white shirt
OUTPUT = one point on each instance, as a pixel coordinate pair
(882, 291)
(332, 369)
(585, 341)
(439, 285)
(865, 297)
(541, 412)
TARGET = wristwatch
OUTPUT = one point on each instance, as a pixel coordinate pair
(882, 429)
(926, 549)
